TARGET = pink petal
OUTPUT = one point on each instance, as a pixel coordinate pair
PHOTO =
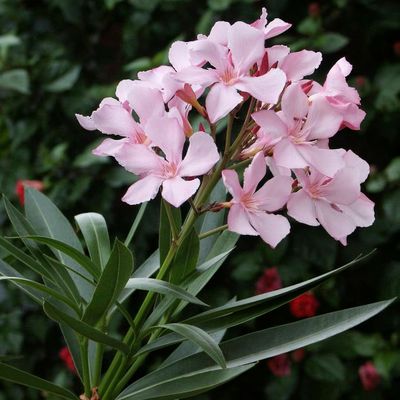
(266, 88)
(275, 28)
(361, 211)
(123, 89)
(146, 102)
(344, 188)
(301, 207)
(295, 103)
(352, 160)
(270, 123)
(247, 46)
(238, 221)
(353, 116)
(109, 147)
(176, 190)
(221, 100)
(323, 120)
(179, 55)
(271, 228)
(300, 64)
(115, 120)
(286, 155)
(139, 159)
(326, 161)
(231, 182)
(274, 194)
(276, 54)
(86, 122)
(254, 173)
(167, 134)
(335, 222)
(201, 156)
(197, 76)
(143, 190)
(219, 32)
(210, 51)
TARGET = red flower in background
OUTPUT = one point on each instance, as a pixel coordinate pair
(270, 280)
(369, 376)
(305, 305)
(280, 365)
(314, 9)
(298, 355)
(396, 48)
(20, 188)
(66, 357)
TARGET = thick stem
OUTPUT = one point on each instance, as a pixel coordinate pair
(85, 366)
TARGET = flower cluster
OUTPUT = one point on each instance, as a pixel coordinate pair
(285, 135)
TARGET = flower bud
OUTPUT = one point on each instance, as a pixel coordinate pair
(369, 376)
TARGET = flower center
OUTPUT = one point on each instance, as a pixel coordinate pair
(228, 76)
(170, 169)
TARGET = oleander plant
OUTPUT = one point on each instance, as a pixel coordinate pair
(232, 138)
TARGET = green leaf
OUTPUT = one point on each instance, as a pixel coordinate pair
(325, 367)
(331, 41)
(162, 287)
(70, 251)
(266, 343)
(392, 171)
(9, 40)
(94, 229)
(247, 309)
(165, 234)
(211, 220)
(83, 328)
(187, 348)
(28, 261)
(147, 269)
(185, 385)
(43, 289)
(15, 375)
(112, 280)
(65, 81)
(135, 224)
(201, 338)
(16, 80)
(186, 258)
(47, 220)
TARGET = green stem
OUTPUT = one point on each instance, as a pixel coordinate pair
(98, 364)
(228, 133)
(212, 231)
(85, 366)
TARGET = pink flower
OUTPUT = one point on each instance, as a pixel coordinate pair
(20, 188)
(280, 365)
(114, 117)
(169, 170)
(231, 73)
(369, 376)
(341, 97)
(269, 281)
(336, 203)
(294, 132)
(304, 306)
(250, 209)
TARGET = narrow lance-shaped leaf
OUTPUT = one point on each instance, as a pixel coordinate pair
(15, 375)
(113, 279)
(43, 289)
(83, 328)
(76, 255)
(94, 230)
(263, 344)
(47, 220)
(186, 258)
(165, 288)
(186, 385)
(135, 224)
(201, 338)
(164, 234)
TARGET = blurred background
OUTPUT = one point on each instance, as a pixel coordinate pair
(61, 57)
